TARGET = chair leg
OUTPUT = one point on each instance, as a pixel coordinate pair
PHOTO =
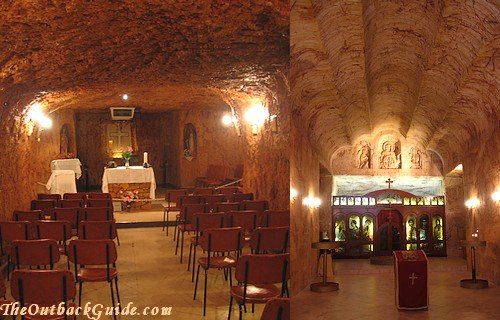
(164, 220)
(117, 237)
(230, 306)
(189, 258)
(241, 315)
(182, 244)
(80, 289)
(118, 294)
(196, 283)
(112, 298)
(194, 261)
(253, 308)
(230, 278)
(205, 294)
(175, 229)
(177, 243)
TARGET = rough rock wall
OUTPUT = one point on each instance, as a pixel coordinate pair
(304, 229)
(216, 145)
(149, 133)
(456, 215)
(481, 179)
(25, 161)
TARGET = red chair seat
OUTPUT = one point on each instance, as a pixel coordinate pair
(96, 274)
(217, 262)
(70, 304)
(256, 294)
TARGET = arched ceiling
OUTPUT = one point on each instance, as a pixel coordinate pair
(425, 70)
(164, 53)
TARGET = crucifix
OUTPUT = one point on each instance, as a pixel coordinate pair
(389, 181)
(412, 278)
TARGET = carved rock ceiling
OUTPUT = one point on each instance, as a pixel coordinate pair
(425, 70)
(163, 53)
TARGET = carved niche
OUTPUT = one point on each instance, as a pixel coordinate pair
(415, 158)
(390, 154)
(363, 155)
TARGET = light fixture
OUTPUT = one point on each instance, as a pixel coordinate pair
(36, 115)
(495, 196)
(125, 96)
(472, 203)
(228, 119)
(256, 116)
(45, 122)
(311, 202)
(293, 194)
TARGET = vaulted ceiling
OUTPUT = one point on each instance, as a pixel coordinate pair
(425, 70)
(163, 53)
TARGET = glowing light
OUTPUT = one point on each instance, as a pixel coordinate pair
(311, 202)
(293, 194)
(460, 167)
(35, 112)
(495, 196)
(472, 203)
(228, 120)
(257, 114)
(125, 96)
(45, 122)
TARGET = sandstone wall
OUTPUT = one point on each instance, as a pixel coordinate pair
(216, 145)
(25, 161)
(456, 215)
(481, 179)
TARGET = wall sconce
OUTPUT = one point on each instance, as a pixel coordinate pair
(293, 195)
(471, 204)
(256, 116)
(228, 119)
(36, 116)
(311, 202)
(495, 196)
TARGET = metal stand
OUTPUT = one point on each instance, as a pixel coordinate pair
(325, 286)
(474, 283)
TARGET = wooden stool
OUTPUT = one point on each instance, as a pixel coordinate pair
(325, 249)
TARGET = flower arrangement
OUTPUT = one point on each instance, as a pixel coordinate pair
(127, 153)
(128, 197)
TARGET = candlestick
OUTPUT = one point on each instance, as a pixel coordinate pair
(145, 157)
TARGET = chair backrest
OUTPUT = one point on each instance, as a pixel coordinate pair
(14, 230)
(47, 206)
(73, 215)
(188, 210)
(189, 199)
(228, 190)
(97, 214)
(35, 252)
(91, 203)
(204, 191)
(263, 268)
(97, 230)
(238, 197)
(276, 218)
(58, 230)
(222, 240)
(49, 196)
(270, 240)
(204, 221)
(75, 196)
(214, 198)
(71, 203)
(92, 252)
(99, 196)
(246, 219)
(172, 197)
(227, 206)
(42, 287)
(257, 205)
(31, 216)
(276, 309)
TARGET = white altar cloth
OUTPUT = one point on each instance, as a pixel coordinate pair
(61, 182)
(134, 174)
(67, 164)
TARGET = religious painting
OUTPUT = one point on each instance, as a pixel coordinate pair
(411, 228)
(190, 142)
(389, 198)
(354, 225)
(118, 137)
(415, 158)
(437, 225)
(424, 227)
(363, 155)
(368, 228)
(65, 142)
(390, 156)
(339, 230)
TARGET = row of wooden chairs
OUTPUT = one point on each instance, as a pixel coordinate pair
(93, 260)
(75, 196)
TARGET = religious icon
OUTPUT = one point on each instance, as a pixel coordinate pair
(364, 155)
(424, 226)
(367, 228)
(65, 146)
(438, 229)
(339, 230)
(190, 142)
(354, 227)
(411, 230)
(390, 157)
(416, 158)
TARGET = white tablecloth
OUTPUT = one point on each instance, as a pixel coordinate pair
(134, 174)
(67, 164)
(61, 182)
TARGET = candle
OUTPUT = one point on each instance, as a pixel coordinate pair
(145, 157)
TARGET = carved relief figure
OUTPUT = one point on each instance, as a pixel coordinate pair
(416, 158)
(190, 142)
(65, 147)
(390, 156)
(364, 155)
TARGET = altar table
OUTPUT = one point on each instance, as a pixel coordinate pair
(61, 182)
(410, 269)
(123, 176)
(67, 164)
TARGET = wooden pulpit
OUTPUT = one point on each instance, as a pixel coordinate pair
(411, 279)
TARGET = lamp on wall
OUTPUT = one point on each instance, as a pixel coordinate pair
(311, 202)
(256, 116)
(472, 204)
(35, 116)
(293, 195)
(496, 196)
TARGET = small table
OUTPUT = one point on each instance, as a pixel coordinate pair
(473, 283)
(325, 286)
(68, 164)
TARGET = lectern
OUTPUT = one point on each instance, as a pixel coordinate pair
(411, 280)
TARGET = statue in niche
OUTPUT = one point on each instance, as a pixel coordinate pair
(190, 142)
(364, 155)
(64, 142)
(416, 158)
(390, 157)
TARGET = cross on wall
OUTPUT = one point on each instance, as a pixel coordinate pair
(389, 181)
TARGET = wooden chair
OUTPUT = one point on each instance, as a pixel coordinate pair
(276, 309)
(257, 275)
(228, 191)
(213, 200)
(258, 205)
(172, 199)
(92, 203)
(92, 256)
(220, 241)
(186, 218)
(97, 230)
(183, 200)
(248, 220)
(31, 216)
(47, 206)
(99, 214)
(99, 196)
(44, 288)
(270, 240)
(73, 215)
(35, 253)
(75, 196)
(49, 196)
(238, 197)
(276, 218)
(227, 206)
(57, 230)
(72, 203)
(9, 232)
(203, 191)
